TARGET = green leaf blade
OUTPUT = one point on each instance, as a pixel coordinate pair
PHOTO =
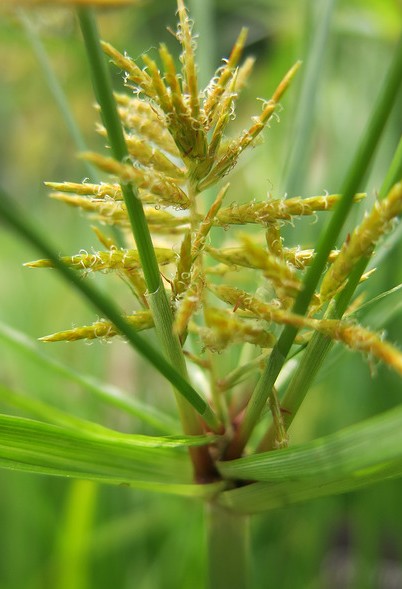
(355, 457)
(140, 461)
(107, 393)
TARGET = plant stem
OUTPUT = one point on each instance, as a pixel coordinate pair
(105, 305)
(104, 95)
(158, 299)
(350, 186)
(74, 539)
(228, 548)
(394, 173)
(320, 345)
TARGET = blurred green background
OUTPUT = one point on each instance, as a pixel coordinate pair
(72, 535)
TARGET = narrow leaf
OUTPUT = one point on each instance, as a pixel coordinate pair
(138, 461)
(355, 457)
(109, 394)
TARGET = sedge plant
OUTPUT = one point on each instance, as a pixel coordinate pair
(207, 273)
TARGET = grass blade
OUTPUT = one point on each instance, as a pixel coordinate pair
(355, 457)
(107, 393)
(139, 461)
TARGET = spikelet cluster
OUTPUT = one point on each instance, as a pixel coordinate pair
(179, 145)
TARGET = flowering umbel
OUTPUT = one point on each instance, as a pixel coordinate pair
(176, 135)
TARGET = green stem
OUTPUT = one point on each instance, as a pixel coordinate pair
(350, 186)
(311, 362)
(75, 536)
(320, 345)
(23, 226)
(158, 299)
(228, 548)
(104, 95)
(394, 173)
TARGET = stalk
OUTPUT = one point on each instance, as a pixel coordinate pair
(320, 345)
(75, 536)
(228, 542)
(350, 186)
(104, 95)
(105, 305)
(394, 173)
(158, 299)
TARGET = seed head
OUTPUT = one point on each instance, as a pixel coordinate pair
(362, 241)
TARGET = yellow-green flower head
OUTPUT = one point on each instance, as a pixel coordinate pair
(177, 147)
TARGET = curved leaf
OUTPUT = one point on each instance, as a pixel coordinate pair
(355, 457)
(147, 462)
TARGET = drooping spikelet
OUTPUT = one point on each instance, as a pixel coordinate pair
(270, 312)
(113, 259)
(182, 279)
(355, 337)
(190, 303)
(224, 328)
(362, 340)
(362, 241)
(164, 187)
(254, 256)
(271, 210)
(207, 223)
(114, 212)
(101, 329)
